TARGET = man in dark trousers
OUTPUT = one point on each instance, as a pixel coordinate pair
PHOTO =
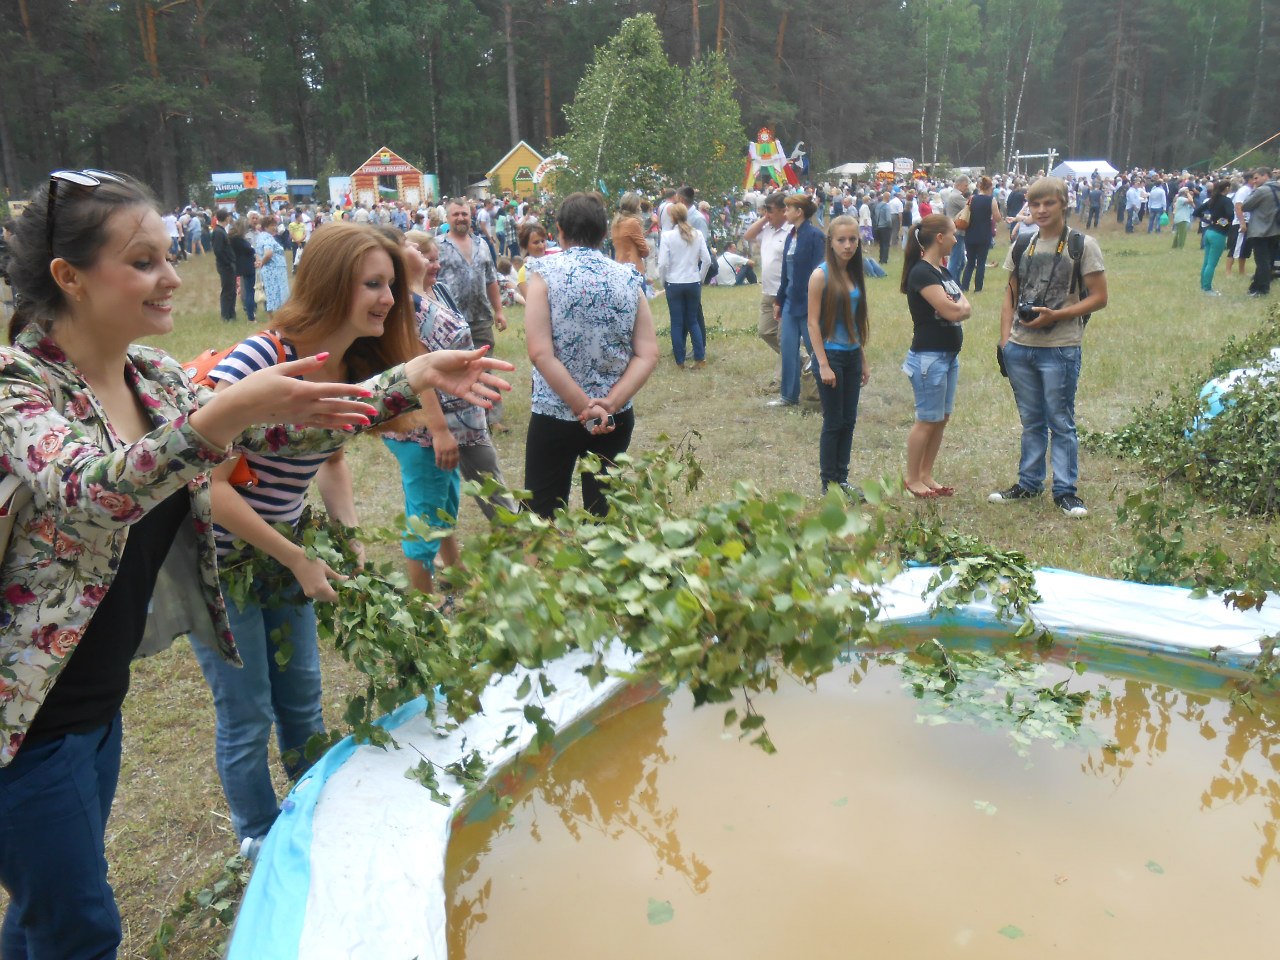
(225, 259)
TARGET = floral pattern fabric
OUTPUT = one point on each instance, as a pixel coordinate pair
(593, 316)
(442, 327)
(274, 272)
(88, 486)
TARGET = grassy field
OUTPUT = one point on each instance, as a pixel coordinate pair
(170, 827)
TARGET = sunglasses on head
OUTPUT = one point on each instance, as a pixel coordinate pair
(87, 179)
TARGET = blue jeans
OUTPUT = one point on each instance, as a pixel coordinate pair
(1044, 385)
(251, 699)
(55, 798)
(1131, 217)
(794, 330)
(955, 260)
(684, 300)
(839, 415)
(1153, 220)
(247, 281)
(977, 257)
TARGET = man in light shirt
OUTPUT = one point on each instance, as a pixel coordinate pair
(771, 232)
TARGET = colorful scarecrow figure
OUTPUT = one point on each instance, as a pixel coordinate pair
(768, 159)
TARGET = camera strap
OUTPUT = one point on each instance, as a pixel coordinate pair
(1053, 270)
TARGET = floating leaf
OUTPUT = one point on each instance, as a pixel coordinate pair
(1154, 867)
(1012, 932)
(660, 911)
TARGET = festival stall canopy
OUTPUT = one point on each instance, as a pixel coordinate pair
(1083, 168)
(850, 169)
(409, 182)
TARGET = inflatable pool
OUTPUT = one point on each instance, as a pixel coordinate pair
(354, 867)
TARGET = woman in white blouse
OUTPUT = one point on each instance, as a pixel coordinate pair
(683, 262)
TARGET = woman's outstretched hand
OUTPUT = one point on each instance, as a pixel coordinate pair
(462, 373)
(276, 395)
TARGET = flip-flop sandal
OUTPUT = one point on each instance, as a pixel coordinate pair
(927, 495)
(944, 491)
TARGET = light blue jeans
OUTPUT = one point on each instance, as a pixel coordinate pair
(955, 260)
(1044, 383)
(250, 700)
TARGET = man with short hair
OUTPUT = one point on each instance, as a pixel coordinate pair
(735, 269)
(1263, 227)
(224, 259)
(1157, 203)
(468, 270)
(956, 200)
(1132, 205)
(882, 222)
(1051, 293)
(771, 230)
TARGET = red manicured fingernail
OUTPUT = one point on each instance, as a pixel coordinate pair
(322, 357)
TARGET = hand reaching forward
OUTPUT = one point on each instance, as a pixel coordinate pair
(462, 373)
(276, 395)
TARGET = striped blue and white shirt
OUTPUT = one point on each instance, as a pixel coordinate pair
(281, 490)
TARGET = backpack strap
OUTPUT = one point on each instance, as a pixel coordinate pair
(1019, 250)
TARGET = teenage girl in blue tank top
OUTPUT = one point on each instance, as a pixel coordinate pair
(838, 330)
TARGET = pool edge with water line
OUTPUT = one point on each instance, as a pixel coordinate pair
(355, 866)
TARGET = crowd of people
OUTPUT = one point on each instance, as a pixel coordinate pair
(380, 318)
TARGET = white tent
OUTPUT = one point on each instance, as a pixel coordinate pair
(849, 169)
(1083, 168)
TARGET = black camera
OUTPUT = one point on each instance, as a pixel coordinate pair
(1027, 310)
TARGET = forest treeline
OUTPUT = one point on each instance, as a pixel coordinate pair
(175, 89)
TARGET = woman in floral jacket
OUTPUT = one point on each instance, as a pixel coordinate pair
(114, 446)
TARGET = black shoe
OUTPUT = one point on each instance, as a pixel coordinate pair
(1071, 505)
(1016, 492)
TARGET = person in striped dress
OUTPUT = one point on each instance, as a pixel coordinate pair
(350, 301)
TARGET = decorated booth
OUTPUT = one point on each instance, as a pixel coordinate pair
(513, 175)
(386, 175)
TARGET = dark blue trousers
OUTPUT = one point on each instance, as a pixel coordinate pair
(55, 798)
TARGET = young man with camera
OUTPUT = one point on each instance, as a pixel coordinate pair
(1058, 281)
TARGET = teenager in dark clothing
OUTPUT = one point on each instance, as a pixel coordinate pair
(225, 259)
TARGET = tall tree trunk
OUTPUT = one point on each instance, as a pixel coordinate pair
(1022, 85)
(1117, 78)
(513, 110)
(431, 100)
(696, 30)
(1252, 123)
(924, 98)
(1202, 101)
(162, 155)
(720, 29)
(777, 46)
(548, 127)
(8, 160)
(942, 88)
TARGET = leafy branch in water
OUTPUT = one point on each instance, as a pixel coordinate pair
(723, 598)
(970, 570)
(993, 690)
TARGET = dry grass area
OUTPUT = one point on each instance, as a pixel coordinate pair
(170, 829)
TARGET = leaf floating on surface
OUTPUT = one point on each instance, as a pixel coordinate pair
(660, 911)
(1012, 932)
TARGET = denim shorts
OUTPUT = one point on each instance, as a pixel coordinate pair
(934, 375)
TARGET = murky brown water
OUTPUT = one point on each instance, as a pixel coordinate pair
(873, 835)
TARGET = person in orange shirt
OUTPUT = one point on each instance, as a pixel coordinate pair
(627, 233)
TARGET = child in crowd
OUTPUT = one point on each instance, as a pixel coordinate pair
(507, 282)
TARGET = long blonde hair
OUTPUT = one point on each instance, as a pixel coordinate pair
(680, 217)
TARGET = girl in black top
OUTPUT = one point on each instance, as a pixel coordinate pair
(984, 214)
(1216, 213)
(937, 308)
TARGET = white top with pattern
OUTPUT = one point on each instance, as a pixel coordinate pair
(593, 316)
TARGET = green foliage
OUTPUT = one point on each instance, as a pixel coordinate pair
(1233, 458)
(969, 570)
(637, 121)
(997, 691)
(213, 906)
